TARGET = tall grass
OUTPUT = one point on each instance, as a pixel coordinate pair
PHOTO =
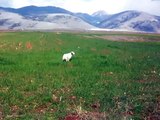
(117, 78)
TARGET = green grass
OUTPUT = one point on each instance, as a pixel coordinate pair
(35, 83)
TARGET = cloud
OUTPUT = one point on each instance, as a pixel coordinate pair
(18, 3)
(149, 6)
(91, 6)
(5, 3)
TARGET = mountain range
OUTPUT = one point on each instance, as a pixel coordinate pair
(50, 18)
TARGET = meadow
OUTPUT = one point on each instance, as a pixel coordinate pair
(106, 80)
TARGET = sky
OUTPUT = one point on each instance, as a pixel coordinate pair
(91, 6)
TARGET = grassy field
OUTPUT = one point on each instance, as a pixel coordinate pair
(106, 80)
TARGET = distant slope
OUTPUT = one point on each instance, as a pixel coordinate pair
(34, 10)
(133, 21)
(15, 21)
(100, 15)
(93, 19)
(69, 21)
(88, 18)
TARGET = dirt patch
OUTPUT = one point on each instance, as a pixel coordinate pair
(88, 36)
(127, 38)
(123, 38)
(42, 109)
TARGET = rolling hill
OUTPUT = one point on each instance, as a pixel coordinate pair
(34, 10)
(14, 21)
(49, 17)
(133, 21)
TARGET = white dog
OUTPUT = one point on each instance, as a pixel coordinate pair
(68, 56)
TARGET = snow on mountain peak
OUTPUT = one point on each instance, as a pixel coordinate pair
(100, 13)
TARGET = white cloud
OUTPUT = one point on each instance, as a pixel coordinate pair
(18, 3)
(90, 6)
(93, 5)
(5, 3)
(150, 6)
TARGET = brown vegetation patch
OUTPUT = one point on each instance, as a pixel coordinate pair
(4, 89)
(28, 94)
(2, 34)
(107, 73)
(28, 45)
(152, 77)
(88, 36)
(57, 49)
(14, 108)
(123, 38)
(59, 42)
(4, 45)
(81, 114)
(19, 45)
(57, 94)
(72, 117)
(104, 51)
(42, 36)
(93, 116)
(93, 49)
(152, 110)
(43, 42)
(127, 38)
(15, 112)
(87, 116)
(1, 114)
(41, 109)
(2, 74)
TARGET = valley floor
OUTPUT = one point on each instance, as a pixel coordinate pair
(113, 75)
